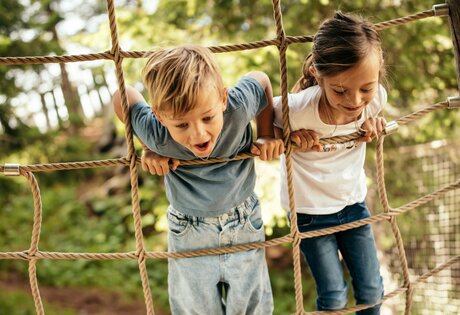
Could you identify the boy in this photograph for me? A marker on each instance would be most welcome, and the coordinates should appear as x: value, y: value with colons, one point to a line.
x: 193, y: 115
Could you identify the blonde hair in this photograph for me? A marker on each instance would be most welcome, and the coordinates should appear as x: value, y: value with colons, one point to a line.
x: 340, y: 43
x: 174, y: 77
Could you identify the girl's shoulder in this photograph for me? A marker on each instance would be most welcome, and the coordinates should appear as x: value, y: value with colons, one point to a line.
x: 379, y: 101
x: 382, y: 94
x: 304, y: 99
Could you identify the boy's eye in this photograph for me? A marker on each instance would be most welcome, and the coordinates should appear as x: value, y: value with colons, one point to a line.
x: 182, y: 126
x: 208, y: 118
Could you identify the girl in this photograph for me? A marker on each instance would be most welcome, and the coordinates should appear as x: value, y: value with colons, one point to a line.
x: 338, y: 94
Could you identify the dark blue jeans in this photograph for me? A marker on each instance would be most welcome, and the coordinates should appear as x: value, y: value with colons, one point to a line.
x: 358, y: 250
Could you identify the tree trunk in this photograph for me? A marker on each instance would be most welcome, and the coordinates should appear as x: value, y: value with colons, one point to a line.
x: 71, y: 97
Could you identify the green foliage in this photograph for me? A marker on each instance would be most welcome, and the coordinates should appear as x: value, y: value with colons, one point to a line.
x: 79, y: 215
x: 20, y: 303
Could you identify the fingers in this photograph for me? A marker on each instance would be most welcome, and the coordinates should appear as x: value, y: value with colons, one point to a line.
x: 268, y: 148
x: 156, y: 164
x: 368, y: 127
x: 373, y: 128
x: 174, y: 164
x: 381, y: 125
x: 305, y: 139
x: 255, y: 150
x: 162, y: 168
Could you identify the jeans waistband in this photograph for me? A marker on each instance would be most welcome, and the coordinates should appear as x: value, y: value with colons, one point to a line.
x: 235, y: 213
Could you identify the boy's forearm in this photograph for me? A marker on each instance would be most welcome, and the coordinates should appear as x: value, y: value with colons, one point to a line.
x: 265, y: 118
x: 278, y: 133
x: 264, y: 122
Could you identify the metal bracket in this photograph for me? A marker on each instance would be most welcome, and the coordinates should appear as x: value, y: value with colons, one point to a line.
x: 441, y: 9
x: 453, y: 101
x: 11, y: 169
x: 391, y: 127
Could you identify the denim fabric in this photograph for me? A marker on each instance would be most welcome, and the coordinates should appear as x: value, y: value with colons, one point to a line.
x: 232, y: 284
x: 358, y: 250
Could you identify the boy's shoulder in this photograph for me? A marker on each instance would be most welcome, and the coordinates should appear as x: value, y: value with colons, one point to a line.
x: 246, y: 92
x: 246, y: 84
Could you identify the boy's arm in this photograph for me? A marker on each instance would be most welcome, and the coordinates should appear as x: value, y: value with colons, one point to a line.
x: 134, y: 96
x: 150, y: 161
x: 266, y: 145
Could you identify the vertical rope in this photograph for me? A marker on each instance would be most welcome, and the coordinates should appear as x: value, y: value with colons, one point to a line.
x: 394, y: 226
x: 34, y: 242
x: 140, y: 249
x: 283, y: 45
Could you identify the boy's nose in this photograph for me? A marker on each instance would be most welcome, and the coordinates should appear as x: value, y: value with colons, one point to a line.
x: 199, y: 130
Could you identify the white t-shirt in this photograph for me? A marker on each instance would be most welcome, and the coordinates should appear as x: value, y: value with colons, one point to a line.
x: 325, y: 182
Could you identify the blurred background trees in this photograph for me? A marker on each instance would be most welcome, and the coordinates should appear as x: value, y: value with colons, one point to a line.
x: 61, y: 112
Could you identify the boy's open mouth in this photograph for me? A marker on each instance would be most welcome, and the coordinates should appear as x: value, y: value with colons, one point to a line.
x: 202, y: 146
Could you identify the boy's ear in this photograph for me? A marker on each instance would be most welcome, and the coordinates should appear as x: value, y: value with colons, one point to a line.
x: 224, y: 100
x: 158, y: 115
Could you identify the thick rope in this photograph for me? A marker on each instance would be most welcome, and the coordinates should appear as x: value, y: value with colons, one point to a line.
x: 218, y: 49
x: 34, y: 242
x: 394, y: 225
x: 124, y: 161
x: 282, y: 42
x: 140, y: 249
x: 294, y: 228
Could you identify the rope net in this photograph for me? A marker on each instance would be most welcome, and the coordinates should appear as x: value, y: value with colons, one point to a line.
x: 435, y: 190
x: 429, y: 166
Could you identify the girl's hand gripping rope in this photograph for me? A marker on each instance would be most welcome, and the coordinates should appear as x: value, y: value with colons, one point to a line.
x: 306, y: 140
x: 372, y: 128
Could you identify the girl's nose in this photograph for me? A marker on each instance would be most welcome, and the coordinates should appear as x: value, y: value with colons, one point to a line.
x: 355, y: 100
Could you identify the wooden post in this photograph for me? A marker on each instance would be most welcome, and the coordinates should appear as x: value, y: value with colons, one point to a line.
x: 454, y: 22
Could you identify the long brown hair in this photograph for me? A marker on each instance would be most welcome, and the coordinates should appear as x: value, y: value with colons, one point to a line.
x: 341, y: 43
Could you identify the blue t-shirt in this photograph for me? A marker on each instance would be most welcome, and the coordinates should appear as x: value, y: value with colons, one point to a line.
x: 208, y: 190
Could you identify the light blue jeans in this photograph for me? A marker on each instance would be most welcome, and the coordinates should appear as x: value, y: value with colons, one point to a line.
x: 232, y: 284
x: 358, y: 250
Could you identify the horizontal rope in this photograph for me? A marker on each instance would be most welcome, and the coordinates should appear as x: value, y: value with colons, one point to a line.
x: 124, y: 161
x: 230, y: 249
x: 107, y: 55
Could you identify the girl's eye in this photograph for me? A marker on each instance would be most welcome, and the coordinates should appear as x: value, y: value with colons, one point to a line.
x: 366, y: 90
x: 208, y: 118
x: 339, y: 92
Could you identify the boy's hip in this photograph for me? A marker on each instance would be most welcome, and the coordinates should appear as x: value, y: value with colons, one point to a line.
x: 240, y: 225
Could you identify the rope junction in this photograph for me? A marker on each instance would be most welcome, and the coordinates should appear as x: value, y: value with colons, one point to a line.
x: 33, y: 254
